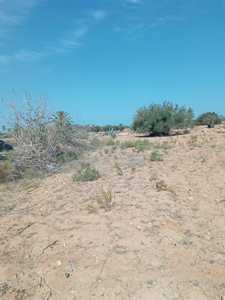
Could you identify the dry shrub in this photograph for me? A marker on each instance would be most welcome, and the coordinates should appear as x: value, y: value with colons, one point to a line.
x: 161, y: 186
x: 6, y: 170
x: 105, y: 200
x: 139, y: 145
x: 42, y: 141
x: 118, y: 169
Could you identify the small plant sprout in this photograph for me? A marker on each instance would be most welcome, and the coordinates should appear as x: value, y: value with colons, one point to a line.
x: 86, y: 174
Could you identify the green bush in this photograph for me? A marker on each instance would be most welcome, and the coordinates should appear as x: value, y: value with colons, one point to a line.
x: 86, y: 174
x: 209, y: 118
x: 159, y: 119
x: 156, y: 156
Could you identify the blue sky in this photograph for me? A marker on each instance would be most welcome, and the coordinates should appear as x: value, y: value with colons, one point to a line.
x: 100, y: 60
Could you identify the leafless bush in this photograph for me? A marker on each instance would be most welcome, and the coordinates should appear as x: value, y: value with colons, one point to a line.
x: 42, y: 141
x: 35, y: 139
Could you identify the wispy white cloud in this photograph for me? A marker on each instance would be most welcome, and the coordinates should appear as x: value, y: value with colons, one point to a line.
x: 74, y: 38
x: 69, y: 41
x: 134, y: 1
x: 98, y: 14
x: 13, y: 12
x: 139, y: 26
x: 160, y: 21
x: 22, y: 56
x: 135, y: 22
x: 25, y: 56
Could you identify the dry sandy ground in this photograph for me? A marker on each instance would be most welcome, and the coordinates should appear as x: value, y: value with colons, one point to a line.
x: 163, y: 238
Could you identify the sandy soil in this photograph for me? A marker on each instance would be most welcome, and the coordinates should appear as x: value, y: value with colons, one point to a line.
x: 162, y: 237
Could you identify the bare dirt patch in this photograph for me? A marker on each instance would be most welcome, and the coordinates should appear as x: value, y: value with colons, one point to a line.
x: 144, y: 230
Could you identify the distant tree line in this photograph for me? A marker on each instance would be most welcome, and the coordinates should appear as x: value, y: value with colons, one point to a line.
x: 107, y: 128
x: 43, y: 142
x: 155, y: 119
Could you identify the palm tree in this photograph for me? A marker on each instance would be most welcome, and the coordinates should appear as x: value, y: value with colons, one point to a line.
x: 64, y: 126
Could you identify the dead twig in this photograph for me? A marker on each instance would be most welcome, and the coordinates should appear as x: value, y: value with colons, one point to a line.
x: 44, y: 282
x: 98, y: 278
x: 49, y: 295
x: 49, y: 246
x: 25, y: 228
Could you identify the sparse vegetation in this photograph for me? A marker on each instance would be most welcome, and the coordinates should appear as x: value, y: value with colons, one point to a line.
x: 92, y: 208
x: 119, y: 170
x: 110, y: 142
x: 194, y: 142
x: 140, y: 199
x: 127, y: 144
x: 86, y: 173
x: 145, y: 145
x: 6, y: 170
x: 142, y: 145
x: 163, y: 146
x: 139, y: 145
x: 41, y: 141
x: 67, y: 157
x: 156, y: 156
x: 159, y: 119
x: 107, y: 128
x: 105, y: 200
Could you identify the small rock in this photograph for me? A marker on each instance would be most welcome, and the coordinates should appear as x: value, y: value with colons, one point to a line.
x: 67, y: 275
x: 58, y: 263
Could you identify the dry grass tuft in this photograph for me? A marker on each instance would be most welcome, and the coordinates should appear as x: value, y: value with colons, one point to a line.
x: 105, y: 200
x: 118, y: 169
